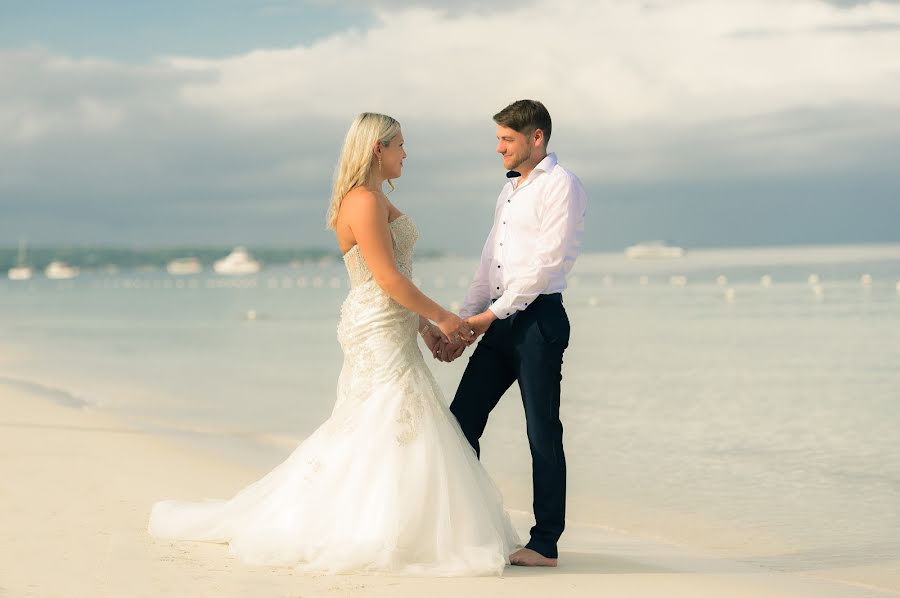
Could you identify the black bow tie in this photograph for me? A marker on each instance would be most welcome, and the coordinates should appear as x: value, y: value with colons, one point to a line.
x: 513, y: 174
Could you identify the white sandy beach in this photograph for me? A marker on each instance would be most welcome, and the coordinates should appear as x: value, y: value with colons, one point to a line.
x: 78, y: 485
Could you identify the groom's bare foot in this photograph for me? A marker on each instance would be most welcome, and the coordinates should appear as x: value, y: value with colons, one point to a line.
x: 525, y: 557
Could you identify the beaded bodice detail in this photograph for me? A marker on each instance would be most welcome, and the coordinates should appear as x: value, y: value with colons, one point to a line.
x: 379, y: 341
x: 404, y: 234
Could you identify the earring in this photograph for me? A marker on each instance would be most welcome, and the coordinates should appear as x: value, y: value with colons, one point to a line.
x: 379, y: 164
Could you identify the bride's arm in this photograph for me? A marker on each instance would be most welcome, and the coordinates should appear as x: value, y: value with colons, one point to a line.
x: 367, y: 217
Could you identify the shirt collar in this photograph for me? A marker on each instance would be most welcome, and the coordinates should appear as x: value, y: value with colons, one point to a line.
x: 545, y: 165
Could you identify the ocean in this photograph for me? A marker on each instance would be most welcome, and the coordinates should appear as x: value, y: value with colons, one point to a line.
x: 702, y: 403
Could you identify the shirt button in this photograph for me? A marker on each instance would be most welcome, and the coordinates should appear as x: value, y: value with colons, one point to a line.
x: 501, y: 244
x: 504, y: 222
x: 498, y: 288
x: 498, y: 265
x: 507, y: 313
x: 508, y: 201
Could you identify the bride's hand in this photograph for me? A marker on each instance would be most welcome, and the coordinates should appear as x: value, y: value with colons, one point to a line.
x: 433, y: 340
x: 455, y: 328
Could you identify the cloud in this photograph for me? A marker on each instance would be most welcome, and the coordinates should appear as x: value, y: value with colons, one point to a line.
x: 640, y: 91
x: 609, y: 70
x: 617, y: 63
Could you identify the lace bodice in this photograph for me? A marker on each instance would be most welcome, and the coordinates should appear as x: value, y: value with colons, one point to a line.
x: 404, y: 233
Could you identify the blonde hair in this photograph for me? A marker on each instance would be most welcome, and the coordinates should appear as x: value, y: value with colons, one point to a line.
x: 356, y: 156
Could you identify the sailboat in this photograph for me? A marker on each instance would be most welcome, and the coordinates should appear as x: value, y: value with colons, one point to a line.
x: 21, y: 271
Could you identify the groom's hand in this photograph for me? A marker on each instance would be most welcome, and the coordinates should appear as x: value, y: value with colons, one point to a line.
x: 481, y: 322
x: 450, y: 351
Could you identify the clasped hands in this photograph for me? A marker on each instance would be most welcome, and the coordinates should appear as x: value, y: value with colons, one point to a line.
x: 451, y: 336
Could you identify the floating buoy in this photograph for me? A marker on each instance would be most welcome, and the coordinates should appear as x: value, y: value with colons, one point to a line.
x: 866, y: 280
x: 721, y: 280
x: 765, y: 281
x: 813, y: 279
x: 678, y: 281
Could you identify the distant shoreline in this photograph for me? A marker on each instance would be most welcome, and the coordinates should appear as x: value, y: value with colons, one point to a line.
x: 104, y: 258
x: 100, y: 258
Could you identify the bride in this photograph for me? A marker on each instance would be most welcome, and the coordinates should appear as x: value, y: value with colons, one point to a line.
x: 389, y: 482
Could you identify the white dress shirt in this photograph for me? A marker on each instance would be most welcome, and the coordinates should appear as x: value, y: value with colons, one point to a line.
x: 538, y: 225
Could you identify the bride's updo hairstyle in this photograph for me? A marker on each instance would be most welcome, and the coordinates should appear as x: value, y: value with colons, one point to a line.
x: 356, y: 156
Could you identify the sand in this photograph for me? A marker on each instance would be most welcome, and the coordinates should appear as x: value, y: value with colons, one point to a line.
x: 77, y: 486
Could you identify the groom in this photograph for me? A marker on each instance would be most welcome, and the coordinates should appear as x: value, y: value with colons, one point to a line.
x: 515, y: 300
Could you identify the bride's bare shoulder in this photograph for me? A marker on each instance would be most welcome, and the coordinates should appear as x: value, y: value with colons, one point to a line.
x: 364, y: 203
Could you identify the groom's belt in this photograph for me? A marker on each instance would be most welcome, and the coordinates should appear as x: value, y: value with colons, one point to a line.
x: 548, y: 297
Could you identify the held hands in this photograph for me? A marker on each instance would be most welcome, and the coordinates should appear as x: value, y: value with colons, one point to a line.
x: 433, y: 338
x: 481, y: 322
x: 440, y: 346
x: 445, y: 349
x: 455, y: 329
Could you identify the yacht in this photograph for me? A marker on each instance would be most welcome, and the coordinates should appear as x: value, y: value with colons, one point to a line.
x: 239, y: 261
x: 57, y: 270
x: 654, y: 250
x: 21, y: 271
x: 184, y: 265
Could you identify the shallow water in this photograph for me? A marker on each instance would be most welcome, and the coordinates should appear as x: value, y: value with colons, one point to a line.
x: 760, y: 421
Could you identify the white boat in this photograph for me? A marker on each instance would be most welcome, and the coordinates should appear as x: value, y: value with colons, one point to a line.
x: 654, y: 250
x: 239, y: 261
x: 57, y: 270
x: 184, y: 265
x: 20, y: 271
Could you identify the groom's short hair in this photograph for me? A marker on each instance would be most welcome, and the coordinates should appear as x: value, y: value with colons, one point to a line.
x: 526, y: 116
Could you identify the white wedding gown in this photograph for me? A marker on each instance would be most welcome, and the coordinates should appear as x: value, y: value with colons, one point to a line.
x: 388, y: 483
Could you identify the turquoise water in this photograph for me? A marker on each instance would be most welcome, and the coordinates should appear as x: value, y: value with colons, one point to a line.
x: 757, y: 421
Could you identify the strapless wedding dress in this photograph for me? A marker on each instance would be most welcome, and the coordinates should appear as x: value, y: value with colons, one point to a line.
x: 388, y: 483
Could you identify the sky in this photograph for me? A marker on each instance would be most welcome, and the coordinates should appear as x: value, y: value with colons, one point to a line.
x: 706, y: 123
